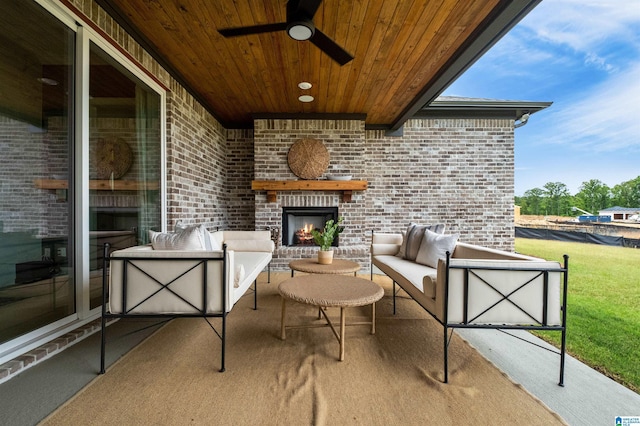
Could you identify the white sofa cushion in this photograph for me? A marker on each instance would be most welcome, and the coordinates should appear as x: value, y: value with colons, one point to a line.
x: 253, y: 263
x: 420, y: 276
x: 250, y: 245
x: 252, y: 241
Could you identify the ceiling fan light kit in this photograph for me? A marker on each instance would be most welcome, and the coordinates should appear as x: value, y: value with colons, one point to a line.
x: 301, y: 30
x: 299, y: 26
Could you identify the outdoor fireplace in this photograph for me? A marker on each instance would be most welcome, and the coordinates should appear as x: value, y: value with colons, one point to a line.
x: 297, y: 223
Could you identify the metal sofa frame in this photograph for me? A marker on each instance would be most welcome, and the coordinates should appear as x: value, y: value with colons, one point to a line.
x: 199, y: 312
x: 468, y: 322
x: 536, y: 325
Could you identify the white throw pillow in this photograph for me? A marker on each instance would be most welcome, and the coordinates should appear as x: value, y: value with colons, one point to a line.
x: 435, y: 246
x: 189, y: 239
x: 205, y: 238
x: 412, y: 238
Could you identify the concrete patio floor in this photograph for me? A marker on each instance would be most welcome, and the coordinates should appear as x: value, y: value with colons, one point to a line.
x: 587, y: 398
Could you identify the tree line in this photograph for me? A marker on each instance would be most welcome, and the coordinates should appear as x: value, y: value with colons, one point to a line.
x: 554, y: 198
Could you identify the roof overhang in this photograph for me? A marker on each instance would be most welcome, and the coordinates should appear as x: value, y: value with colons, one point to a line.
x: 451, y: 106
x: 406, y: 54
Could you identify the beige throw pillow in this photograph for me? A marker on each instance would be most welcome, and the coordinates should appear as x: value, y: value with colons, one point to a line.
x: 435, y: 246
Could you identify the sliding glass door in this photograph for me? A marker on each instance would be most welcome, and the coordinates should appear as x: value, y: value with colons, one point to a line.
x: 36, y: 139
x: 80, y: 165
x: 124, y: 161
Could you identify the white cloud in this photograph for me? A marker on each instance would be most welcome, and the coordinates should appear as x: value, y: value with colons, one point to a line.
x: 586, y: 26
x: 518, y: 46
x: 592, y: 59
x: 605, y: 118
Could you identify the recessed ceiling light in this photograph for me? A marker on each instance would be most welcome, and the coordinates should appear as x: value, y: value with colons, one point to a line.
x: 306, y: 98
x: 305, y: 85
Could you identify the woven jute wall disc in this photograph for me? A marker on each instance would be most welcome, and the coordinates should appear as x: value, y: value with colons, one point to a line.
x: 308, y: 158
x: 110, y: 158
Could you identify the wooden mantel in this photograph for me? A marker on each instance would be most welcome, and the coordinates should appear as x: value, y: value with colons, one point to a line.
x: 273, y: 186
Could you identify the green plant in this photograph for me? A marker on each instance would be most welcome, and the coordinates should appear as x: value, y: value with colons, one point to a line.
x: 331, y: 230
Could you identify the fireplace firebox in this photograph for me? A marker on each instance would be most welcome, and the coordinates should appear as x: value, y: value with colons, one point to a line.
x: 297, y: 223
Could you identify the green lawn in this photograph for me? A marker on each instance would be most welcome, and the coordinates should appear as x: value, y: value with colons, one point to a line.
x: 603, y: 307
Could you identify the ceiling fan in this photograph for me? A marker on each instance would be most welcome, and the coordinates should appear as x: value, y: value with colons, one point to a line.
x: 299, y: 26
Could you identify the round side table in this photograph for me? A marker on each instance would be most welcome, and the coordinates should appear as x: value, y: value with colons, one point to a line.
x: 337, y: 267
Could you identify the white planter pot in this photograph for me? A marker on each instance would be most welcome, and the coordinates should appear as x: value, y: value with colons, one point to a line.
x: 325, y: 257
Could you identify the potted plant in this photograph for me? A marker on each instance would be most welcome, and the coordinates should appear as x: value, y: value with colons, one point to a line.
x: 325, y: 239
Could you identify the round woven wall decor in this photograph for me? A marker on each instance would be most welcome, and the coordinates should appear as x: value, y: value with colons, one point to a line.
x: 308, y: 158
x: 110, y: 158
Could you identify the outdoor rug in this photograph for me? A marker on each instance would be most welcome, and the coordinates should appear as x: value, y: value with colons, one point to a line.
x: 391, y: 378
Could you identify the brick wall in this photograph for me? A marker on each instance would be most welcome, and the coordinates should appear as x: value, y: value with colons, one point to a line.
x: 196, y: 163
x: 454, y: 171
x: 240, y: 163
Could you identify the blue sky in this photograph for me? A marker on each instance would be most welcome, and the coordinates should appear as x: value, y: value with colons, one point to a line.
x: 584, y: 56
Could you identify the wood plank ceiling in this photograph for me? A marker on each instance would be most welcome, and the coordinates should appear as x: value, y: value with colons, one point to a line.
x: 405, y: 53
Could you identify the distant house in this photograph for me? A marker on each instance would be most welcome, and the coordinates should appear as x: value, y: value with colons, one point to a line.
x: 620, y: 213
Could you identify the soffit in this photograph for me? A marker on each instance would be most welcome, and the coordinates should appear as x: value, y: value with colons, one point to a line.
x: 405, y: 53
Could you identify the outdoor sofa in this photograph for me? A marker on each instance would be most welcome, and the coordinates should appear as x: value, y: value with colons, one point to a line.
x: 470, y: 286
x: 190, y: 273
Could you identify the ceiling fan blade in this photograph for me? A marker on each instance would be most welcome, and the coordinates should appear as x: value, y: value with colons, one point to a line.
x: 255, y: 29
x: 298, y: 9
x: 330, y: 47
